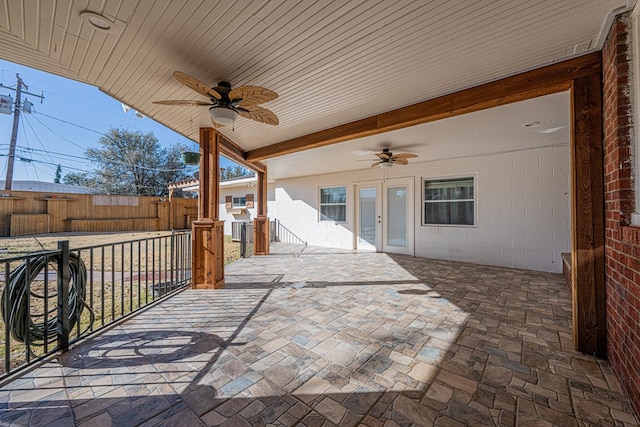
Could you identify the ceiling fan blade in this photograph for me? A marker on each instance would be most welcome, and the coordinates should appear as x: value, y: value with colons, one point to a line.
x: 252, y: 95
x: 385, y: 155
x: 404, y: 156
x: 375, y: 164
x: 259, y: 114
x: 401, y: 161
x: 196, y: 85
x: 183, y: 102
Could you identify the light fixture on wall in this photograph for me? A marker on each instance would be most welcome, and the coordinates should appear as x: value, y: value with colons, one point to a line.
x: 223, y: 115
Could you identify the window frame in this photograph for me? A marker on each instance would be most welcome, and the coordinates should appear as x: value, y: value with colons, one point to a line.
x: 233, y: 202
x: 345, y: 204
x: 474, y: 177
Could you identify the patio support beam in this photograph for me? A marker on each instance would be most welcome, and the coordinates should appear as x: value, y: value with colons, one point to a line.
x: 587, y: 202
x: 261, y: 222
x: 581, y: 75
x: 208, y: 231
x: 234, y: 152
x: 541, y: 81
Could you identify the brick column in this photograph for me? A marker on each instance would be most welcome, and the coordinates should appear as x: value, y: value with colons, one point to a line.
x: 622, y: 242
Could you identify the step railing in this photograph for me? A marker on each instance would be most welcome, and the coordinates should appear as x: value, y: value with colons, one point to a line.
x: 284, y: 235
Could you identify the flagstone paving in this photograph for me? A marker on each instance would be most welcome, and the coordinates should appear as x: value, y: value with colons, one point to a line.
x: 327, y: 337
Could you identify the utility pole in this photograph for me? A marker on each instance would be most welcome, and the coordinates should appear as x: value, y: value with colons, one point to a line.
x: 14, y: 132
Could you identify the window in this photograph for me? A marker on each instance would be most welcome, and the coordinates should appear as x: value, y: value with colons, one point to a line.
x: 239, y: 202
x: 449, y: 201
x: 333, y: 204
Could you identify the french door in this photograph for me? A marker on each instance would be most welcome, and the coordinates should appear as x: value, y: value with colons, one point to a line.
x: 384, y: 216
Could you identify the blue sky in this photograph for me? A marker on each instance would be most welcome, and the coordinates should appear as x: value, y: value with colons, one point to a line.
x: 71, y: 119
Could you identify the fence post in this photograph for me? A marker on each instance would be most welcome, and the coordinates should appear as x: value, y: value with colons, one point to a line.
x: 63, y: 295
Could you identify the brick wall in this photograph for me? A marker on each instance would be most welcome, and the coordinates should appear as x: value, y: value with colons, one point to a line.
x: 622, y: 242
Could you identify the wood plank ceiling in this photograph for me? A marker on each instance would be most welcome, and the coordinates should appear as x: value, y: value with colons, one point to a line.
x: 331, y: 62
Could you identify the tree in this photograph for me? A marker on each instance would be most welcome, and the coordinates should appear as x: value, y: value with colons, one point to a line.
x: 58, y: 174
x: 83, y: 179
x: 133, y: 163
x: 234, y: 171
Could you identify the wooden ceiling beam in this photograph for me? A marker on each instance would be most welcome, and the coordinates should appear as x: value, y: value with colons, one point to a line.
x: 541, y: 81
x: 235, y: 153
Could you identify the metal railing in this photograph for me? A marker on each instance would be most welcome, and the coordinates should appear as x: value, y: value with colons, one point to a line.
x: 284, y: 235
x: 242, y: 231
x: 51, y: 299
x: 246, y: 239
x: 236, y: 231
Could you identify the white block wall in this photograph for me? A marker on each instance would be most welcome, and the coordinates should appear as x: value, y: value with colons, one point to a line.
x: 522, y: 203
x: 523, y: 211
x: 295, y: 204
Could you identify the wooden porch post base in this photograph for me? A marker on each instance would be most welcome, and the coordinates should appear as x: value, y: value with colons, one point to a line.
x: 208, y: 254
x: 261, y: 235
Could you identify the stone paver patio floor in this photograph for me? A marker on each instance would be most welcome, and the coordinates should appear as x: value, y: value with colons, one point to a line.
x: 329, y: 337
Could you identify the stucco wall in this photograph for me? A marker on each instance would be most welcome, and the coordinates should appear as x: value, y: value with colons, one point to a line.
x: 228, y: 216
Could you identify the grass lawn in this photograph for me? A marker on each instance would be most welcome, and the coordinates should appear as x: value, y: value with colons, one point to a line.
x: 122, y: 290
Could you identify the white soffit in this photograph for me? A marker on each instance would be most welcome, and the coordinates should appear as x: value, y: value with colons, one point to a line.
x: 331, y: 62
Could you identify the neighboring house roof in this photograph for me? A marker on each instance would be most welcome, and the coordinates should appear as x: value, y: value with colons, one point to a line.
x: 194, y: 184
x: 40, y: 186
x: 186, y: 185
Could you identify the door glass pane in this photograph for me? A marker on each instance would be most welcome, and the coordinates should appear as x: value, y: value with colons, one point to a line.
x: 368, y: 215
x: 397, y: 216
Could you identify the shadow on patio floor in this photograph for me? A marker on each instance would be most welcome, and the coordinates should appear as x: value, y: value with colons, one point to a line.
x: 308, y: 340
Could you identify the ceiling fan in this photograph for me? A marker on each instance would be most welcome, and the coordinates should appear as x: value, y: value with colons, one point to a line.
x: 225, y: 103
x: 388, y: 159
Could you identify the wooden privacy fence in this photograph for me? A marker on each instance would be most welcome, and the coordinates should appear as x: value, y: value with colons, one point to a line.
x: 27, y: 212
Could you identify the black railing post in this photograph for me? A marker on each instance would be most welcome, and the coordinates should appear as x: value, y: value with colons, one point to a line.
x: 172, y: 262
x: 243, y: 239
x: 63, y: 295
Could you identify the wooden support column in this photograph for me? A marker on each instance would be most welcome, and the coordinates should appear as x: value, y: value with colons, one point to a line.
x: 261, y: 222
x: 208, y: 232
x: 587, y: 200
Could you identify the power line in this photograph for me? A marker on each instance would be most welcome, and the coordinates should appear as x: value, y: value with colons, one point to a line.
x: 37, y: 137
x: 55, y: 154
x: 59, y: 136
x: 53, y: 164
x: 72, y: 124
x: 20, y: 87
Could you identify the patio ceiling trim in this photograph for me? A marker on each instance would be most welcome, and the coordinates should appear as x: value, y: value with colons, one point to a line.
x: 531, y: 84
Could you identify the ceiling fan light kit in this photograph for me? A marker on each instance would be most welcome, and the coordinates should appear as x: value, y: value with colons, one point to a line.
x: 222, y: 115
x: 225, y: 104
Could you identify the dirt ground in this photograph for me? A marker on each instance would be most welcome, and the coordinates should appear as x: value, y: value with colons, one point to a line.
x: 12, y: 246
x: 16, y: 246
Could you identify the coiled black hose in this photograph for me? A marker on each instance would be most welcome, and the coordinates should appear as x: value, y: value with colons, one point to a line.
x: 15, y: 309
